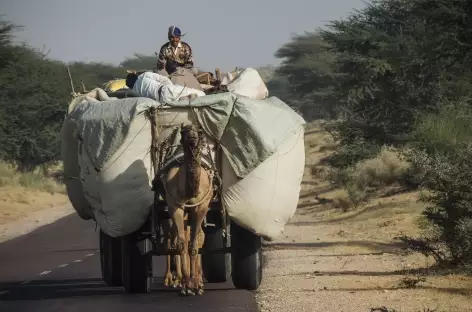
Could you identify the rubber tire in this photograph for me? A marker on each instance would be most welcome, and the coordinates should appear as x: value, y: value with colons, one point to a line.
x: 136, y: 267
x: 216, y: 267
x: 246, y: 258
x: 110, y: 260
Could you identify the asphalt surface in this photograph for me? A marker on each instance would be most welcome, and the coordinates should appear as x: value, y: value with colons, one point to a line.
x: 57, y: 268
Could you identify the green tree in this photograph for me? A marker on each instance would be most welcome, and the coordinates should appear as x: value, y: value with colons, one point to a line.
x: 402, y: 71
x: 308, y: 73
x: 93, y: 74
x: 6, y: 34
x: 398, y: 59
x: 32, y: 106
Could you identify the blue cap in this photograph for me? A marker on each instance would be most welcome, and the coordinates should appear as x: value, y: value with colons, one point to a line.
x: 174, y: 31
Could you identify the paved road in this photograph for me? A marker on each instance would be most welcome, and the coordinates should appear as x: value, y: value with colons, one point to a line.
x: 57, y: 268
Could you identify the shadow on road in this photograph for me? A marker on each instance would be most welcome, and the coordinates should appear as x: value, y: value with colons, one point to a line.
x: 55, y: 289
x: 76, y: 250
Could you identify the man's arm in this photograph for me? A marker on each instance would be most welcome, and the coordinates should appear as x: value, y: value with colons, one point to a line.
x: 188, y: 63
x: 161, y: 59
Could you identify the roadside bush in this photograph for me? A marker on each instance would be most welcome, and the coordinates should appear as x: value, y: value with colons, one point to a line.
x: 442, y: 159
x: 387, y: 168
x: 350, y: 154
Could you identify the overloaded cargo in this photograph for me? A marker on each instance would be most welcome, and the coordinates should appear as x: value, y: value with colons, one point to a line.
x: 106, y: 153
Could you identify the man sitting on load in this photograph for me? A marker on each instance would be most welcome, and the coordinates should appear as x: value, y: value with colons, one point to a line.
x: 175, y: 53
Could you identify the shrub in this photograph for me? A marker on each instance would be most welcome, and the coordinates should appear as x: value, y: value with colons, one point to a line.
x: 442, y: 157
x: 42, y: 178
x: 387, y: 168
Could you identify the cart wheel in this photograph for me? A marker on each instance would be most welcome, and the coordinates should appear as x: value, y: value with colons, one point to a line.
x: 246, y: 258
x: 216, y: 267
x: 110, y: 259
x: 137, y: 267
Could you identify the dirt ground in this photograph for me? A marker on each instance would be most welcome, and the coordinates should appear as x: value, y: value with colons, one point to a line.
x: 329, y: 260
x: 22, y: 210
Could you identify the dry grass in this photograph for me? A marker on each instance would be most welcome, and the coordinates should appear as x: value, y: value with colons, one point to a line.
x: 43, y: 178
x: 20, y: 203
x: 358, y: 183
x: 364, y: 180
x: 385, y: 169
x: 29, y: 199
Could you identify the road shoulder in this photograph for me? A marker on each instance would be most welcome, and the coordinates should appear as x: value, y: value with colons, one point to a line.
x: 23, y: 210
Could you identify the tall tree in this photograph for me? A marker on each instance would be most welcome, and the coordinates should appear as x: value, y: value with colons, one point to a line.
x: 32, y: 104
x: 308, y: 69
x: 396, y: 58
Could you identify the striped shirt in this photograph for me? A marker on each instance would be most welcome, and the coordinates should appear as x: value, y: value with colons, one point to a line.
x: 170, y: 58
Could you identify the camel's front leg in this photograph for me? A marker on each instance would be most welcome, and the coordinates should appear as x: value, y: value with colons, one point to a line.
x: 201, y: 240
x: 176, y: 259
x: 166, y: 228
x: 168, y: 278
x: 196, y: 242
x: 182, y: 246
x: 187, y: 237
x: 178, y: 271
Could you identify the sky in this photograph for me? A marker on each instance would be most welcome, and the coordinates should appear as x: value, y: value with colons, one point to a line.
x: 223, y: 34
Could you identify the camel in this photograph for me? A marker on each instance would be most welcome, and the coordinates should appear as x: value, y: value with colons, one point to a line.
x: 188, y: 191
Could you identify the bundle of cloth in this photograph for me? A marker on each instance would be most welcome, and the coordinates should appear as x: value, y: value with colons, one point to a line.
x: 183, y: 85
x: 159, y: 87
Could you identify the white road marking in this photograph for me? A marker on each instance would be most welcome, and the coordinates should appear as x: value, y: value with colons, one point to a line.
x: 25, y: 282
x: 45, y: 273
x: 89, y: 255
x: 77, y: 260
x: 63, y: 265
x: 4, y: 292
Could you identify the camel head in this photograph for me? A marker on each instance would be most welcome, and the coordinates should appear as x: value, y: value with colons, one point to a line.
x: 191, y: 136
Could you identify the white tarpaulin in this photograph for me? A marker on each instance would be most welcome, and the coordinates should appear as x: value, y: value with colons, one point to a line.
x: 262, y: 164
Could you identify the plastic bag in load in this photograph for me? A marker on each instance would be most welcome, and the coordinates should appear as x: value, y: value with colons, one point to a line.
x: 121, y: 191
x: 229, y: 76
x: 249, y: 83
x: 265, y: 199
x: 70, y: 159
x: 185, y: 77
